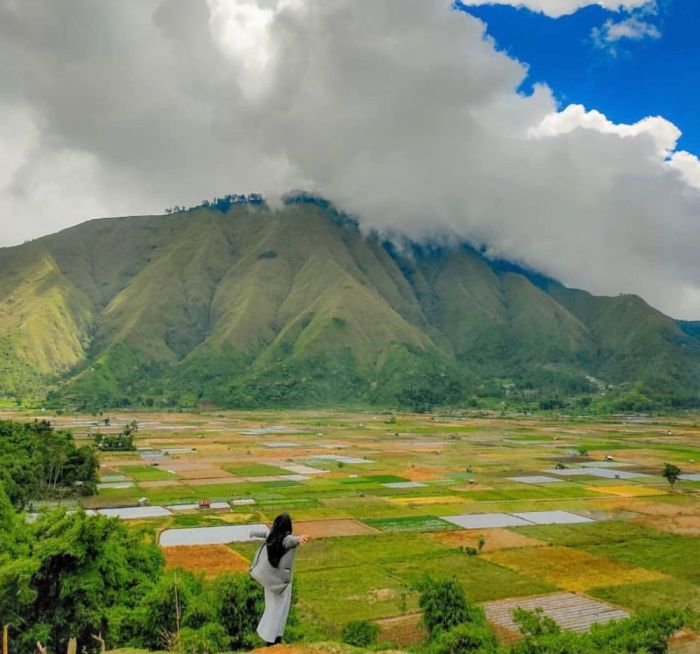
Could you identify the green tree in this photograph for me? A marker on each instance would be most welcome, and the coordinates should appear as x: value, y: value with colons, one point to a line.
x: 671, y: 473
x: 445, y: 605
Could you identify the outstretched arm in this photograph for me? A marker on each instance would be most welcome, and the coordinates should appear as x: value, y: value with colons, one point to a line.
x: 259, y: 533
x: 294, y: 541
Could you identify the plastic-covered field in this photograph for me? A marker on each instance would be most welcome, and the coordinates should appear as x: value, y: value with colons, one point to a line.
x: 341, y: 459
x: 208, y: 535
x: 535, y: 479
x: 486, y: 520
x: 135, y: 512
x: 115, y: 484
x: 569, y: 611
x: 605, y: 473
x: 523, y: 519
x: 552, y: 517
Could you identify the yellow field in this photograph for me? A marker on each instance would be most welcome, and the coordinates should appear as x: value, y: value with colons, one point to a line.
x: 629, y: 491
x: 571, y: 569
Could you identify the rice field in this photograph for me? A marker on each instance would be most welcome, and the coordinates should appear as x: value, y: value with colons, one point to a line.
x: 388, y: 498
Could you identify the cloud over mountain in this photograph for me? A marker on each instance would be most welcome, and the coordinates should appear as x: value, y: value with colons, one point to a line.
x: 401, y: 112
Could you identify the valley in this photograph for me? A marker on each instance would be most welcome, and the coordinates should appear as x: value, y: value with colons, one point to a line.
x: 517, y: 509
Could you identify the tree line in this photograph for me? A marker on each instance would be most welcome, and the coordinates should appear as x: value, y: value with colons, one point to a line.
x: 39, y: 462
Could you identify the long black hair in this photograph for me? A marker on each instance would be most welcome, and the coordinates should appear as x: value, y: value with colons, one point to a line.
x: 281, y: 528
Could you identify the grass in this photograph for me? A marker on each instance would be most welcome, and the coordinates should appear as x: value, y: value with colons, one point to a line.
x: 147, y: 473
x: 531, y: 492
x: 256, y: 470
x: 385, y: 479
x: 671, y: 592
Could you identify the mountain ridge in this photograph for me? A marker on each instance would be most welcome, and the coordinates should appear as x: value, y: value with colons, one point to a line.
x: 250, y: 306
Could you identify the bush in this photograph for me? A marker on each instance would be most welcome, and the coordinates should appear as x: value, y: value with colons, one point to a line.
x: 207, y: 639
x: 360, y: 633
x: 467, y: 638
x: 647, y: 632
x: 239, y: 603
x: 445, y: 605
x: 643, y: 634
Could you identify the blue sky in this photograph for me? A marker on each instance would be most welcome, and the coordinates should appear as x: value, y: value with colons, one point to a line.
x: 626, y: 79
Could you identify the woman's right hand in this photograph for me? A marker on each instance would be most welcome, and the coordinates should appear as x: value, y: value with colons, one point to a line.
x: 303, y: 538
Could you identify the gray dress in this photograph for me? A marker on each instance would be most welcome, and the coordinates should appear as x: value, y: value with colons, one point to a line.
x: 277, y: 583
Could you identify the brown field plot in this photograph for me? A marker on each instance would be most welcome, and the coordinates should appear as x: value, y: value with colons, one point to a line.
x: 159, y: 483
x: 403, y: 629
x: 212, y: 481
x: 496, y: 539
x: 212, y: 560
x: 685, y: 525
x: 332, y: 528
x: 205, y: 473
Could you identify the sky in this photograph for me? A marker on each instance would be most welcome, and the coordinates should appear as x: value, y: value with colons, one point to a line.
x: 559, y: 134
x: 650, y: 66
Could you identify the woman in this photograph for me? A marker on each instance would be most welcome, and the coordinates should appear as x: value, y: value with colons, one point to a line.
x: 272, y: 567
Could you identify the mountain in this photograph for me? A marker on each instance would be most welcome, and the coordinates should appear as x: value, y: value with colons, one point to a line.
x: 246, y: 306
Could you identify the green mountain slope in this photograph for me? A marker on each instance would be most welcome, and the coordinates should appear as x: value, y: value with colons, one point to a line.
x: 250, y: 306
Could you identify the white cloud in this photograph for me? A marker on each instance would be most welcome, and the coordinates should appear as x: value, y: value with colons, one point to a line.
x: 631, y: 28
x: 636, y: 26
x: 558, y: 8
x: 662, y: 132
x: 408, y: 118
x: 688, y: 165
